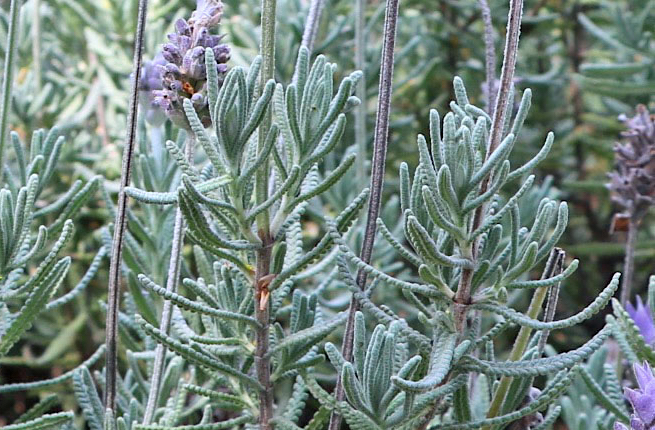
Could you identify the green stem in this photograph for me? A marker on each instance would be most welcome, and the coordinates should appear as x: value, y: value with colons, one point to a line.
x: 267, y: 51
x: 12, y: 35
x: 522, y: 340
x: 263, y: 255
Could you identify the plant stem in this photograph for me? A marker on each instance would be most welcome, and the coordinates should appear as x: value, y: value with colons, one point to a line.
x: 554, y: 262
x: 377, y: 181
x: 36, y: 43
x: 263, y: 255
x: 490, y: 55
x: 114, y: 286
x: 267, y: 51
x: 311, y: 24
x: 262, y: 309
x: 549, y: 313
x: 463, y: 297
x: 309, y: 33
x: 172, y: 279
x: 360, y: 111
x: 629, y: 261
x: 12, y: 35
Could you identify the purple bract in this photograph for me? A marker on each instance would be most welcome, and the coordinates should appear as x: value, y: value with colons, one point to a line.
x: 642, y: 400
x: 643, y: 319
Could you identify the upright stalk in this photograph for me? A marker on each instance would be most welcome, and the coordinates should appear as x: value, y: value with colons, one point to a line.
x: 490, y: 56
x: 172, y: 278
x: 360, y: 111
x: 312, y: 21
x: 311, y: 24
x: 114, y: 286
x: 263, y: 255
x: 377, y: 181
x: 463, y: 296
x: 555, y: 261
x: 36, y: 43
x: 12, y: 34
x: 549, y: 312
x: 629, y: 261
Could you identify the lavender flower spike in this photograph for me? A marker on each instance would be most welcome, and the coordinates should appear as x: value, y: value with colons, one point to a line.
x: 184, y: 76
x: 642, y: 400
x: 633, y: 183
x: 150, y: 81
x: 644, y: 320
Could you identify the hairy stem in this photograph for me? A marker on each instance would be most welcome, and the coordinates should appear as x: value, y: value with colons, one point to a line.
x: 311, y: 24
x: 377, y: 181
x: 490, y: 55
x: 553, y: 266
x: 360, y: 111
x: 629, y: 261
x: 172, y: 278
x: 114, y: 286
x: 262, y: 314
x: 463, y: 297
x: 312, y: 21
x: 36, y: 43
x: 12, y: 34
x: 263, y: 255
x: 549, y: 313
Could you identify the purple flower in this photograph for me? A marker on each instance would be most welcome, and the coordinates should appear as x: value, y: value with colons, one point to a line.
x: 643, y: 319
x: 633, y: 182
x: 184, y: 72
x: 150, y: 81
x: 642, y: 400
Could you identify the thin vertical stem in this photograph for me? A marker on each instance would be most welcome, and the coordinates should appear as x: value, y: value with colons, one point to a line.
x: 490, y: 55
x: 507, y: 73
x: 311, y: 24
x: 629, y: 261
x: 263, y: 255
x: 12, y: 35
x: 262, y: 314
x: 549, y: 313
x: 36, y: 43
x: 360, y: 111
x: 311, y: 29
x: 113, y: 289
x: 554, y: 262
x: 463, y: 296
x: 377, y: 180
x: 267, y: 51
x: 172, y: 278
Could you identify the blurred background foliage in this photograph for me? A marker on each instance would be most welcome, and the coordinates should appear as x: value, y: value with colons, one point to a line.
x: 587, y: 61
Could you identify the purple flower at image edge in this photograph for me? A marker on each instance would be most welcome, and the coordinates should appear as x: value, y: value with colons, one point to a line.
x: 643, y: 319
x: 642, y: 400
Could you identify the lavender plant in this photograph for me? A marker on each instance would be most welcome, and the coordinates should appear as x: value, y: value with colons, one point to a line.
x: 229, y: 307
x: 32, y: 268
